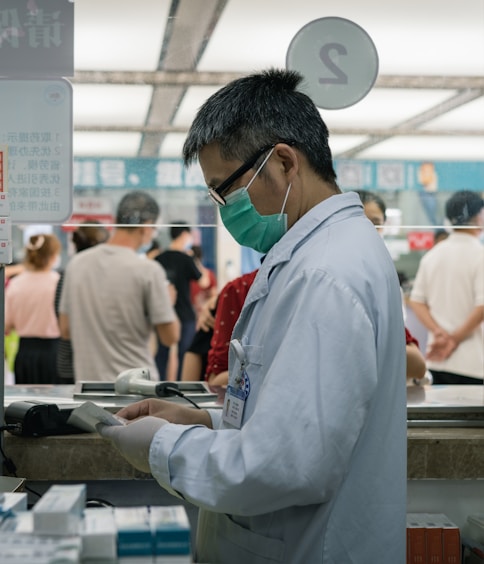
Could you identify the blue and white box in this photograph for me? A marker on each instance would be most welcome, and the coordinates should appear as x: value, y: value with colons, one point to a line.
x: 134, y: 534
x: 171, y: 530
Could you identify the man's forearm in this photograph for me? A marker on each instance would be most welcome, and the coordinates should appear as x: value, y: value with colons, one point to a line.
x: 470, y: 324
x: 422, y: 312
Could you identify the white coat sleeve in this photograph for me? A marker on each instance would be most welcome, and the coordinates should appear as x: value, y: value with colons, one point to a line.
x: 318, y: 377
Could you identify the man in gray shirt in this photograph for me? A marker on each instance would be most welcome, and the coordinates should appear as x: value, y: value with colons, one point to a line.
x: 112, y: 299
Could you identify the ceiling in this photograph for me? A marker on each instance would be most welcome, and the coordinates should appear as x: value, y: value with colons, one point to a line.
x: 142, y: 69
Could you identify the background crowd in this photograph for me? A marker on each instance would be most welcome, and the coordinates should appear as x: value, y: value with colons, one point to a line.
x: 170, y: 295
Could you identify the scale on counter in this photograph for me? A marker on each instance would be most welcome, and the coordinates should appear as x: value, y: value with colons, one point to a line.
x: 197, y: 391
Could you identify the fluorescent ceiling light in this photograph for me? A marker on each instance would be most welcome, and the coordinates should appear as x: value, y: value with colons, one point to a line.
x: 106, y: 144
x: 110, y: 104
x: 118, y: 35
x: 428, y: 148
x: 172, y: 146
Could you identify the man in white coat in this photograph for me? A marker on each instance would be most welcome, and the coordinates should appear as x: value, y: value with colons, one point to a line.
x: 306, y: 463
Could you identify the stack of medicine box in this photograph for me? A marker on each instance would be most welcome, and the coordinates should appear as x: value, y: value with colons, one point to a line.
x: 155, y: 534
x: 60, y: 528
x: 49, y: 533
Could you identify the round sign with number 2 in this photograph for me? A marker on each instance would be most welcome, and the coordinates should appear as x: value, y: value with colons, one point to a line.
x: 338, y: 60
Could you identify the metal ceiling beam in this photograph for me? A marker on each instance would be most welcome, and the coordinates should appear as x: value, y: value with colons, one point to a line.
x: 170, y: 86
x: 415, y: 122
x: 194, y: 78
x: 405, y: 131
x: 178, y: 55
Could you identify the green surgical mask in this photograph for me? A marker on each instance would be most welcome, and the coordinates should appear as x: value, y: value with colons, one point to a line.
x: 246, y: 225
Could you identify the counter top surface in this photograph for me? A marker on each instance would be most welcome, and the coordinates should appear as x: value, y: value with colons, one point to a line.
x: 434, y: 452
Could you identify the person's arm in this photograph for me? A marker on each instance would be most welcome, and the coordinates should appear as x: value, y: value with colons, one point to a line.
x: 206, y: 318
x: 13, y: 269
x: 204, y: 280
x: 161, y: 295
x: 191, y: 367
x: 64, y: 327
x: 475, y: 318
x: 416, y: 366
x: 444, y: 346
x: 169, y: 333
x: 172, y: 412
x: 144, y: 419
x: 220, y: 379
x: 422, y: 313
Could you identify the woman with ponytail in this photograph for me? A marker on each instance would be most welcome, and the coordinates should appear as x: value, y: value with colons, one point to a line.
x: 29, y: 309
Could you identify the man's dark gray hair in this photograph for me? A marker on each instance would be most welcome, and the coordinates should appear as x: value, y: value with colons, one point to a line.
x: 136, y: 208
x: 257, y: 110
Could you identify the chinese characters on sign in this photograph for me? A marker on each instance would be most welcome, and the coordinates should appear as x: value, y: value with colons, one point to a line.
x: 136, y: 173
x: 404, y: 175
x: 171, y: 174
x: 36, y: 187
x: 39, y: 140
x: 36, y: 38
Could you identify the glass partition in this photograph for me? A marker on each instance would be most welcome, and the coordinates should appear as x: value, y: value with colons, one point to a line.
x: 143, y: 69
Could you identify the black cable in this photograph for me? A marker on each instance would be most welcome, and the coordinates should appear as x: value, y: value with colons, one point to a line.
x: 8, y: 462
x: 33, y: 491
x: 98, y: 502
x: 173, y: 391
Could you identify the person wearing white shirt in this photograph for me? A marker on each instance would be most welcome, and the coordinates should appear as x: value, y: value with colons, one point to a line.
x: 448, y: 295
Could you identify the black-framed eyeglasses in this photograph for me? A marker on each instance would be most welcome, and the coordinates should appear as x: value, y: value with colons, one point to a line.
x: 216, y: 194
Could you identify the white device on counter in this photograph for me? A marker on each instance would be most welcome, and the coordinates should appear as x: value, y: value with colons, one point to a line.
x: 136, y: 381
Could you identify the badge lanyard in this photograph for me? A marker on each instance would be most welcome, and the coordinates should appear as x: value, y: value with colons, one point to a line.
x: 237, y: 390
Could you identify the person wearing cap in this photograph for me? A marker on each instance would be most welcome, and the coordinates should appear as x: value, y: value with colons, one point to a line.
x: 448, y: 295
x: 306, y: 462
x: 112, y: 300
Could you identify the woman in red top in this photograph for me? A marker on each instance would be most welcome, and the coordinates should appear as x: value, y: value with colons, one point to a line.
x: 229, y: 305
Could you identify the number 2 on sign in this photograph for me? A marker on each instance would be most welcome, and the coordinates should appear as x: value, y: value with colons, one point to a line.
x: 325, y: 54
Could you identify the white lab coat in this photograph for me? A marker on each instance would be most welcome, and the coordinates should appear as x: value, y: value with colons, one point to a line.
x: 317, y: 473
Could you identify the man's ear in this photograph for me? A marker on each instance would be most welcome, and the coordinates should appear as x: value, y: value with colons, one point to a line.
x: 288, y: 159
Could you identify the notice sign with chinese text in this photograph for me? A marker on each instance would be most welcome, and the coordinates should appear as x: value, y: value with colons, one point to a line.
x: 36, y: 128
x: 36, y: 38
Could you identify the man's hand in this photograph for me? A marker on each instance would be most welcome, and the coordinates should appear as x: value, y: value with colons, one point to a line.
x: 442, y: 347
x: 133, y: 440
x: 167, y: 410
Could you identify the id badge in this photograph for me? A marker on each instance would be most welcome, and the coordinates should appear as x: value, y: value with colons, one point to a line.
x: 237, y: 390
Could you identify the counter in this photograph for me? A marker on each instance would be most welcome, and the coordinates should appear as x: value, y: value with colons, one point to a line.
x: 450, y: 453
x: 442, y: 442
